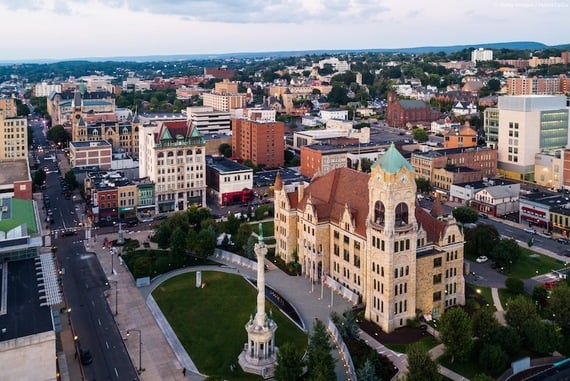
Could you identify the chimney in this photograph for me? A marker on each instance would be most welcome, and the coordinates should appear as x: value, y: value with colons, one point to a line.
x: 300, y: 191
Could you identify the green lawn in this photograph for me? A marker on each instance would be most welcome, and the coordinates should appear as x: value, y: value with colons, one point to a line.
x: 210, y: 321
x: 532, y: 263
x: 427, y: 342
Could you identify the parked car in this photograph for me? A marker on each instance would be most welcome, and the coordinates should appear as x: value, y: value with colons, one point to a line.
x: 530, y: 230
x: 562, y: 240
x: 483, y: 215
x: 481, y: 259
x: 545, y: 234
x: 85, y: 355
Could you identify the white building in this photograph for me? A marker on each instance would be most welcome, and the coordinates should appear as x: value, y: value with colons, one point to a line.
x: 529, y: 124
x: 340, y: 66
x: 208, y: 121
x: 482, y: 55
x: 44, y: 89
x: 228, y: 181
x: 255, y: 113
x: 173, y: 156
x: 338, y: 114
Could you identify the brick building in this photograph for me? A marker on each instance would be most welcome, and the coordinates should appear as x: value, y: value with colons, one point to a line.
x: 261, y: 142
x: 402, y: 112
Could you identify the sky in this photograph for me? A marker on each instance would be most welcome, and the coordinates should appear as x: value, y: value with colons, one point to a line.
x: 66, y: 29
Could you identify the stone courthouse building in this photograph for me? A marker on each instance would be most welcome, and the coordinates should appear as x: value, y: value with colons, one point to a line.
x: 364, y: 234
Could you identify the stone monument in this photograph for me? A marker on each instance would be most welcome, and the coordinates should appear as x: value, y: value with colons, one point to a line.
x: 260, y: 353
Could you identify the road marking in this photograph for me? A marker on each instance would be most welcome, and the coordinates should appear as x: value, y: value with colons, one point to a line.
x: 107, y: 344
x: 99, y: 320
x: 117, y: 373
x: 93, y: 303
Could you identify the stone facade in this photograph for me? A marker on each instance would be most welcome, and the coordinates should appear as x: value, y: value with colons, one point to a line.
x: 365, y: 232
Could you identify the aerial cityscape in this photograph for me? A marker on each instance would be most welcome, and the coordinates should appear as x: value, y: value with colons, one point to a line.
x: 334, y: 200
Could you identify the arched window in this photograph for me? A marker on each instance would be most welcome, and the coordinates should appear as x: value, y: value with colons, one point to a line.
x: 401, y: 214
x: 160, y: 154
x: 379, y: 212
x: 189, y: 152
x: 198, y: 151
x: 179, y: 153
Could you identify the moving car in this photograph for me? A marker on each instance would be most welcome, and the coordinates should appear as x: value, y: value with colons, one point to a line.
x: 483, y: 215
x: 481, y: 259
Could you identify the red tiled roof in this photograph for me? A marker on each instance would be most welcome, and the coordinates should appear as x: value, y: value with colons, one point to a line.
x: 335, y: 190
x: 433, y: 227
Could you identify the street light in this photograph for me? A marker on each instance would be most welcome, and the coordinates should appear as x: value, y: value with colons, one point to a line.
x: 140, y: 347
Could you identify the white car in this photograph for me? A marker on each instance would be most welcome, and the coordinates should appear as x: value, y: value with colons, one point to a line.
x: 530, y: 230
x: 482, y: 259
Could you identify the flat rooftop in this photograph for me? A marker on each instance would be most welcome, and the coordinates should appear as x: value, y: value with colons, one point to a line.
x: 24, y: 314
x: 222, y: 164
x: 14, y: 170
x: 91, y: 143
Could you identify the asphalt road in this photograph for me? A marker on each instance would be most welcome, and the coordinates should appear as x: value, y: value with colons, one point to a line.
x: 85, y: 284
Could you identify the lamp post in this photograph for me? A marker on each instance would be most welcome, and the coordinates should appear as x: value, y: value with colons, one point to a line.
x: 140, y: 347
x: 112, y: 252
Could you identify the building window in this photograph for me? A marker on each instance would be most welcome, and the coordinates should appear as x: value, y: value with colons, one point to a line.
x: 379, y: 212
x: 401, y: 214
x: 437, y: 296
x: 437, y: 279
x: 437, y: 262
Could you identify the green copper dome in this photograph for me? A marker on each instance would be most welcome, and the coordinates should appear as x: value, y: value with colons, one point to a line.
x: 392, y: 161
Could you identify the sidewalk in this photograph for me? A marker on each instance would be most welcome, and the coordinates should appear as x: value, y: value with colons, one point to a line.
x: 137, y: 310
x: 156, y: 358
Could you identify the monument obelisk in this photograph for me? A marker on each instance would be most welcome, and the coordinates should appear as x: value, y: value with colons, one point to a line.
x: 260, y: 353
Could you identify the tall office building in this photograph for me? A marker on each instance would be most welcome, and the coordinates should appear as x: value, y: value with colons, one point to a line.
x: 261, y: 142
x: 529, y: 124
x: 481, y: 55
x: 13, y: 137
x: 173, y: 156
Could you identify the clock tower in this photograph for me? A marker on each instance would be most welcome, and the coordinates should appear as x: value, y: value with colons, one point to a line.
x: 392, y: 233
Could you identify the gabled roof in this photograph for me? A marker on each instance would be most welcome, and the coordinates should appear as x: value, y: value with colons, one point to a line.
x: 433, y: 226
x: 332, y: 193
x: 392, y: 161
x: 412, y: 104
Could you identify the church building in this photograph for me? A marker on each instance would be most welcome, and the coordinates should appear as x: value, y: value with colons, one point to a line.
x: 364, y: 234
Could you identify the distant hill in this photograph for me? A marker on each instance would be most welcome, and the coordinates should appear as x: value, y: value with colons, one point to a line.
x: 514, y: 45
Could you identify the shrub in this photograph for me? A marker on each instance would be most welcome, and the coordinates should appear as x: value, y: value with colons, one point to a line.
x: 515, y: 285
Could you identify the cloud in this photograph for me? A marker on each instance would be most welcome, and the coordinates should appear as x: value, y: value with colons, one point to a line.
x: 260, y: 11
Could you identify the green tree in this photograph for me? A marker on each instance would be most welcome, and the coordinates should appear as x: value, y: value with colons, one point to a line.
x: 346, y: 324
x: 508, y: 338
x: 289, y: 365
x: 205, y: 243
x: 485, y: 324
x: 481, y: 240
x: 57, y: 134
x: 367, y: 372
x: 560, y: 306
x: 540, y: 294
x: 22, y: 109
x: 506, y: 252
x: 163, y: 234
x: 542, y: 337
x: 366, y: 165
x: 423, y: 185
x: 225, y: 150
x: 520, y: 310
x: 464, y: 214
x: 514, y: 285
x: 455, y: 333
x: 420, y: 365
x: 39, y: 177
x: 493, y: 358
x: 320, y: 363
x: 70, y: 179
x: 338, y: 96
x: 178, y: 243
x: 420, y: 135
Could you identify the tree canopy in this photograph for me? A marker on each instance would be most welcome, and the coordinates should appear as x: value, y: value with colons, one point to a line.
x: 465, y: 214
x: 455, y: 332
